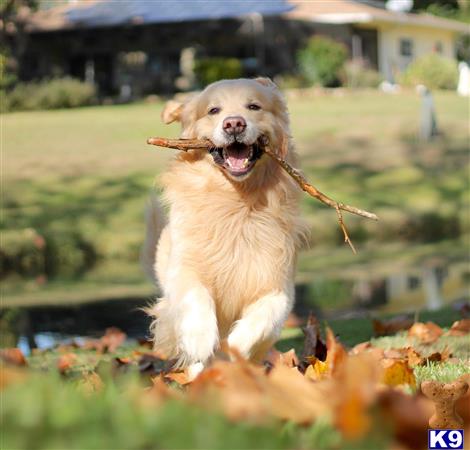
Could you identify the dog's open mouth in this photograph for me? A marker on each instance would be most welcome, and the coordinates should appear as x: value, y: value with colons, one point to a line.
x: 237, y: 158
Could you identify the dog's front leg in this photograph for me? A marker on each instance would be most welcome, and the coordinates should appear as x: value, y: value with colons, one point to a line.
x: 261, y: 324
x: 188, y: 314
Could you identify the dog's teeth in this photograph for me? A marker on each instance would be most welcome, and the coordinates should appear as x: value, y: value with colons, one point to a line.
x: 245, y: 162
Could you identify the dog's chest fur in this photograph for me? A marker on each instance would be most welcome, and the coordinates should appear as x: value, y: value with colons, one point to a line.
x: 241, y: 243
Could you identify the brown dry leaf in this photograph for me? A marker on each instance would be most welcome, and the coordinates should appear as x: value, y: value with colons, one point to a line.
x: 289, y: 358
x: 275, y: 357
x: 157, y: 394
x: 427, y: 332
x: 316, y: 370
x: 353, y: 392
x: 243, y: 391
x: 13, y: 356
x: 109, y: 342
x: 313, y: 344
x: 179, y: 377
x: 66, y: 362
x: 336, y: 354
x: 444, y: 355
x: 151, y: 363
x: 459, y: 328
x: 408, y: 416
x: 367, y: 347
x: 291, y: 396
x: 112, y: 339
x: 397, y: 372
x: 235, y: 388
x: 391, y: 326
x: 414, y: 358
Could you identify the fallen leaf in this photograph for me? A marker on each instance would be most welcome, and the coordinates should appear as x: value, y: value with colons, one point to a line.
x: 336, y: 354
x: 414, y: 358
x: 112, y: 339
x: 406, y: 415
x: 145, y: 343
x: 244, y: 391
x: 367, y: 347
x: 179, y: 377
x: 316, y: 370
x: 427, y: 332
x: 123, y: 361
x: 397, y: 372
x: 108, y: 343
x: 313, y: 344
x: 66, y: 362
x: 152, y: 364
x: 459, y: 328
x: 13, y: 356
x: 391, y: 326
x: 353, y: 393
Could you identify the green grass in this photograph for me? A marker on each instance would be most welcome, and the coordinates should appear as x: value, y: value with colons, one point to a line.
x: 81, y: 178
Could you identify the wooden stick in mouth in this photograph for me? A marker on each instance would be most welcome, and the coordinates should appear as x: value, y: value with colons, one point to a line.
x: 205, y: 144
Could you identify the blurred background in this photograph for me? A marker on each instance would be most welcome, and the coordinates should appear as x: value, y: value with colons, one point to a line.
x: 378, y: 96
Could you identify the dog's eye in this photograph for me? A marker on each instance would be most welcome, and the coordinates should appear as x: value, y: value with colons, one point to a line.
x: 254, y: 107
x: 213, y: 111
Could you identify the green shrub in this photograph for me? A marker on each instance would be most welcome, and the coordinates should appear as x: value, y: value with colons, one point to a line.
x: 355, y: 75
x: 321, y: 61
x: 22, y: 251
x: 26, y: 252
x: 434, y: 71
x: 208, y: 70
x: 51, y: 94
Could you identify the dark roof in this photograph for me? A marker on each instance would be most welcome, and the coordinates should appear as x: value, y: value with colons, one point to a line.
x: 109, y: 13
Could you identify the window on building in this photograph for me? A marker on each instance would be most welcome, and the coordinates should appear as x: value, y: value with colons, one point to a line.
x: 406, y: 47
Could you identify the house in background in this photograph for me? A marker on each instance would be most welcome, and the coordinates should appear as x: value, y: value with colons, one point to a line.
x: 143, y: 47
x: 132, y: 48
x: 385, y: 40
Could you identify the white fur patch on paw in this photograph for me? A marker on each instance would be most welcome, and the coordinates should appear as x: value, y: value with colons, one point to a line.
x: 194, y: 370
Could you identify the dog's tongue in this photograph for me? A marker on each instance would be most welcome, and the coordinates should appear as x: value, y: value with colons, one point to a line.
x: 236, y: 156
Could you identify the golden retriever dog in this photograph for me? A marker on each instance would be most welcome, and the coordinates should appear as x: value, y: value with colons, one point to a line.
x: 225, y: 258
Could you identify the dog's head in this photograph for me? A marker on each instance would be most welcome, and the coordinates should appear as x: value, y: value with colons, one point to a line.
x: 237, y: 116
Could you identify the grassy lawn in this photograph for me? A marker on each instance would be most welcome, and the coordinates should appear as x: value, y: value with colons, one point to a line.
x: 80, y: 178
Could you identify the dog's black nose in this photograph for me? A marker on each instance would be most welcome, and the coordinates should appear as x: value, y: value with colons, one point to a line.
x: 234, y: 125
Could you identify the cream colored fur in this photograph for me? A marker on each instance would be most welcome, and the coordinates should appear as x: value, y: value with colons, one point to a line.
x: 225, y: 261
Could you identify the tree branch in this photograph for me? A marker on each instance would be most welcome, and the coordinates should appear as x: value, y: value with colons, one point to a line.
x: 190, y: 144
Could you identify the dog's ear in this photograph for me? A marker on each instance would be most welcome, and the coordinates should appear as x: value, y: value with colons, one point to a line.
x: 172, y: 111
x: 266, y: 82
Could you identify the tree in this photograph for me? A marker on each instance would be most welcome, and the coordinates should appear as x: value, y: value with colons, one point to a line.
x: 13, y: 37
